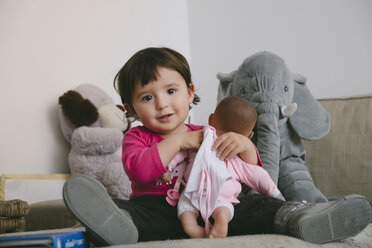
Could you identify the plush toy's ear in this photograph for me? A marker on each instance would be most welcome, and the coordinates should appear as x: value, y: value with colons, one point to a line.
x: 224, y: 88
x: 310, y: 121
x: 79, y: 111
x: 298, y: 78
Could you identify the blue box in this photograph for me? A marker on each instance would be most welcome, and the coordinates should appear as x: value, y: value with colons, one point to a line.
x: 52, y: 240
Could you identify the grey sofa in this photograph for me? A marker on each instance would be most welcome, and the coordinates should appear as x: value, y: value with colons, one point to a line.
x: 340, y: 163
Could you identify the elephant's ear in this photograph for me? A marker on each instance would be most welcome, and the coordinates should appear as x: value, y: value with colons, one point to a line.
x: 224, y: 88
x: 310, y: 121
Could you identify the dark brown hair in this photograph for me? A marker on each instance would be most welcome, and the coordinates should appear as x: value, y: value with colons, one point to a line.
x: 143, y: 66
x: 236, y: 114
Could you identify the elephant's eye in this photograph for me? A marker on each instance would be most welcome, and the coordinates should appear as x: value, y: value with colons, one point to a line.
x: 285, y: 88
x: 243, y: 92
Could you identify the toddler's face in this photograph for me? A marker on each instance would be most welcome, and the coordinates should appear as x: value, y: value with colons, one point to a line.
x: 162, y: 105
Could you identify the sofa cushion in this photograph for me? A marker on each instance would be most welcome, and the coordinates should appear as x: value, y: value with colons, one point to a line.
x: 341, y: 162
x: 51, y: 214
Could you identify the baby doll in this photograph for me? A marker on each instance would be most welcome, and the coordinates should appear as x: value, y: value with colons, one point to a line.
x: 233, y: 114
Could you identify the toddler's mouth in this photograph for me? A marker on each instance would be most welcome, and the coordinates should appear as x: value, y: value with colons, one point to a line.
x: 165, y: 117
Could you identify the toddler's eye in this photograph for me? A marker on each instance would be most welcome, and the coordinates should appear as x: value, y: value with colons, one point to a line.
x: 146, y: 98
x: 171, y: 91
x: 285, y: 88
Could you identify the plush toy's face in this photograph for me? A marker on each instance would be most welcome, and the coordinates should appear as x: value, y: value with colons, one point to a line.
x: 264, y: 78
x: 265, y: 81
x: 111, y: 115
x: 90, y: 106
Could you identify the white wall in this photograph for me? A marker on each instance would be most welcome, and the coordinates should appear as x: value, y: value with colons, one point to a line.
x: 48, y: 47
x: 329, y: 41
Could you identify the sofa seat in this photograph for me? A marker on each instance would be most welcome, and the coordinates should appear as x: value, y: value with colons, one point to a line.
x: 363, y: 239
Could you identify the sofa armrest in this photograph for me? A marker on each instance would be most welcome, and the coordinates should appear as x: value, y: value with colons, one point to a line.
x: 341, y: 162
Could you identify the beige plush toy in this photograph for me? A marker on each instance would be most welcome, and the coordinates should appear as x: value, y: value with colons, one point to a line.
x: 94, y: 126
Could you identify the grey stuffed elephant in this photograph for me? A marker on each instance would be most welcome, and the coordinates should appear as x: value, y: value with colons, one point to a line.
x: 287, y: 113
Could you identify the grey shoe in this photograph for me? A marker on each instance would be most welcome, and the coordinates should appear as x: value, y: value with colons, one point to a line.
x: 324, y: 222
x: 89, y: 202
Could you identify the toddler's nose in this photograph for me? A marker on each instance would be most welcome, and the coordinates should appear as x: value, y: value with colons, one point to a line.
x: 162, y: 103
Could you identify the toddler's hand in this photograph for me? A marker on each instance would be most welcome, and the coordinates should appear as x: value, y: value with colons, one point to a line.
x: 174, y: 143
x: 165, y: 178
x: 230, y: 144
x: 191, y: 140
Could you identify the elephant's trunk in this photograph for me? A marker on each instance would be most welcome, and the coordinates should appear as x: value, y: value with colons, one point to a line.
x: 268, y: 138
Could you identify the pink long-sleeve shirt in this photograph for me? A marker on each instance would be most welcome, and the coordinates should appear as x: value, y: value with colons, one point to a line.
x: 142, y: 163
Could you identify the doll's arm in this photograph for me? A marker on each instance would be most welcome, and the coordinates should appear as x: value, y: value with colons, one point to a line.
x: 255, y: 177
x: 250, y: 155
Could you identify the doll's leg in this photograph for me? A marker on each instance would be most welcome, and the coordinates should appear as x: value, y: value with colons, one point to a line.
x: 190, y: 225
x: 222, y: 216
x: 89, y: 202
x: 188, y: 216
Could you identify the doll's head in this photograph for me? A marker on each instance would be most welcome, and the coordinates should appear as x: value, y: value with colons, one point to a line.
x: 234, y: 114
x: 142, y: 68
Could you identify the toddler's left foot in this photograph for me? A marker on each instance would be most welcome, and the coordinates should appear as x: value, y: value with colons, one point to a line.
x: 324, y: 222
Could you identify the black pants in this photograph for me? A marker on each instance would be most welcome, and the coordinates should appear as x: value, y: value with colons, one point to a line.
x: 155, y: 219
